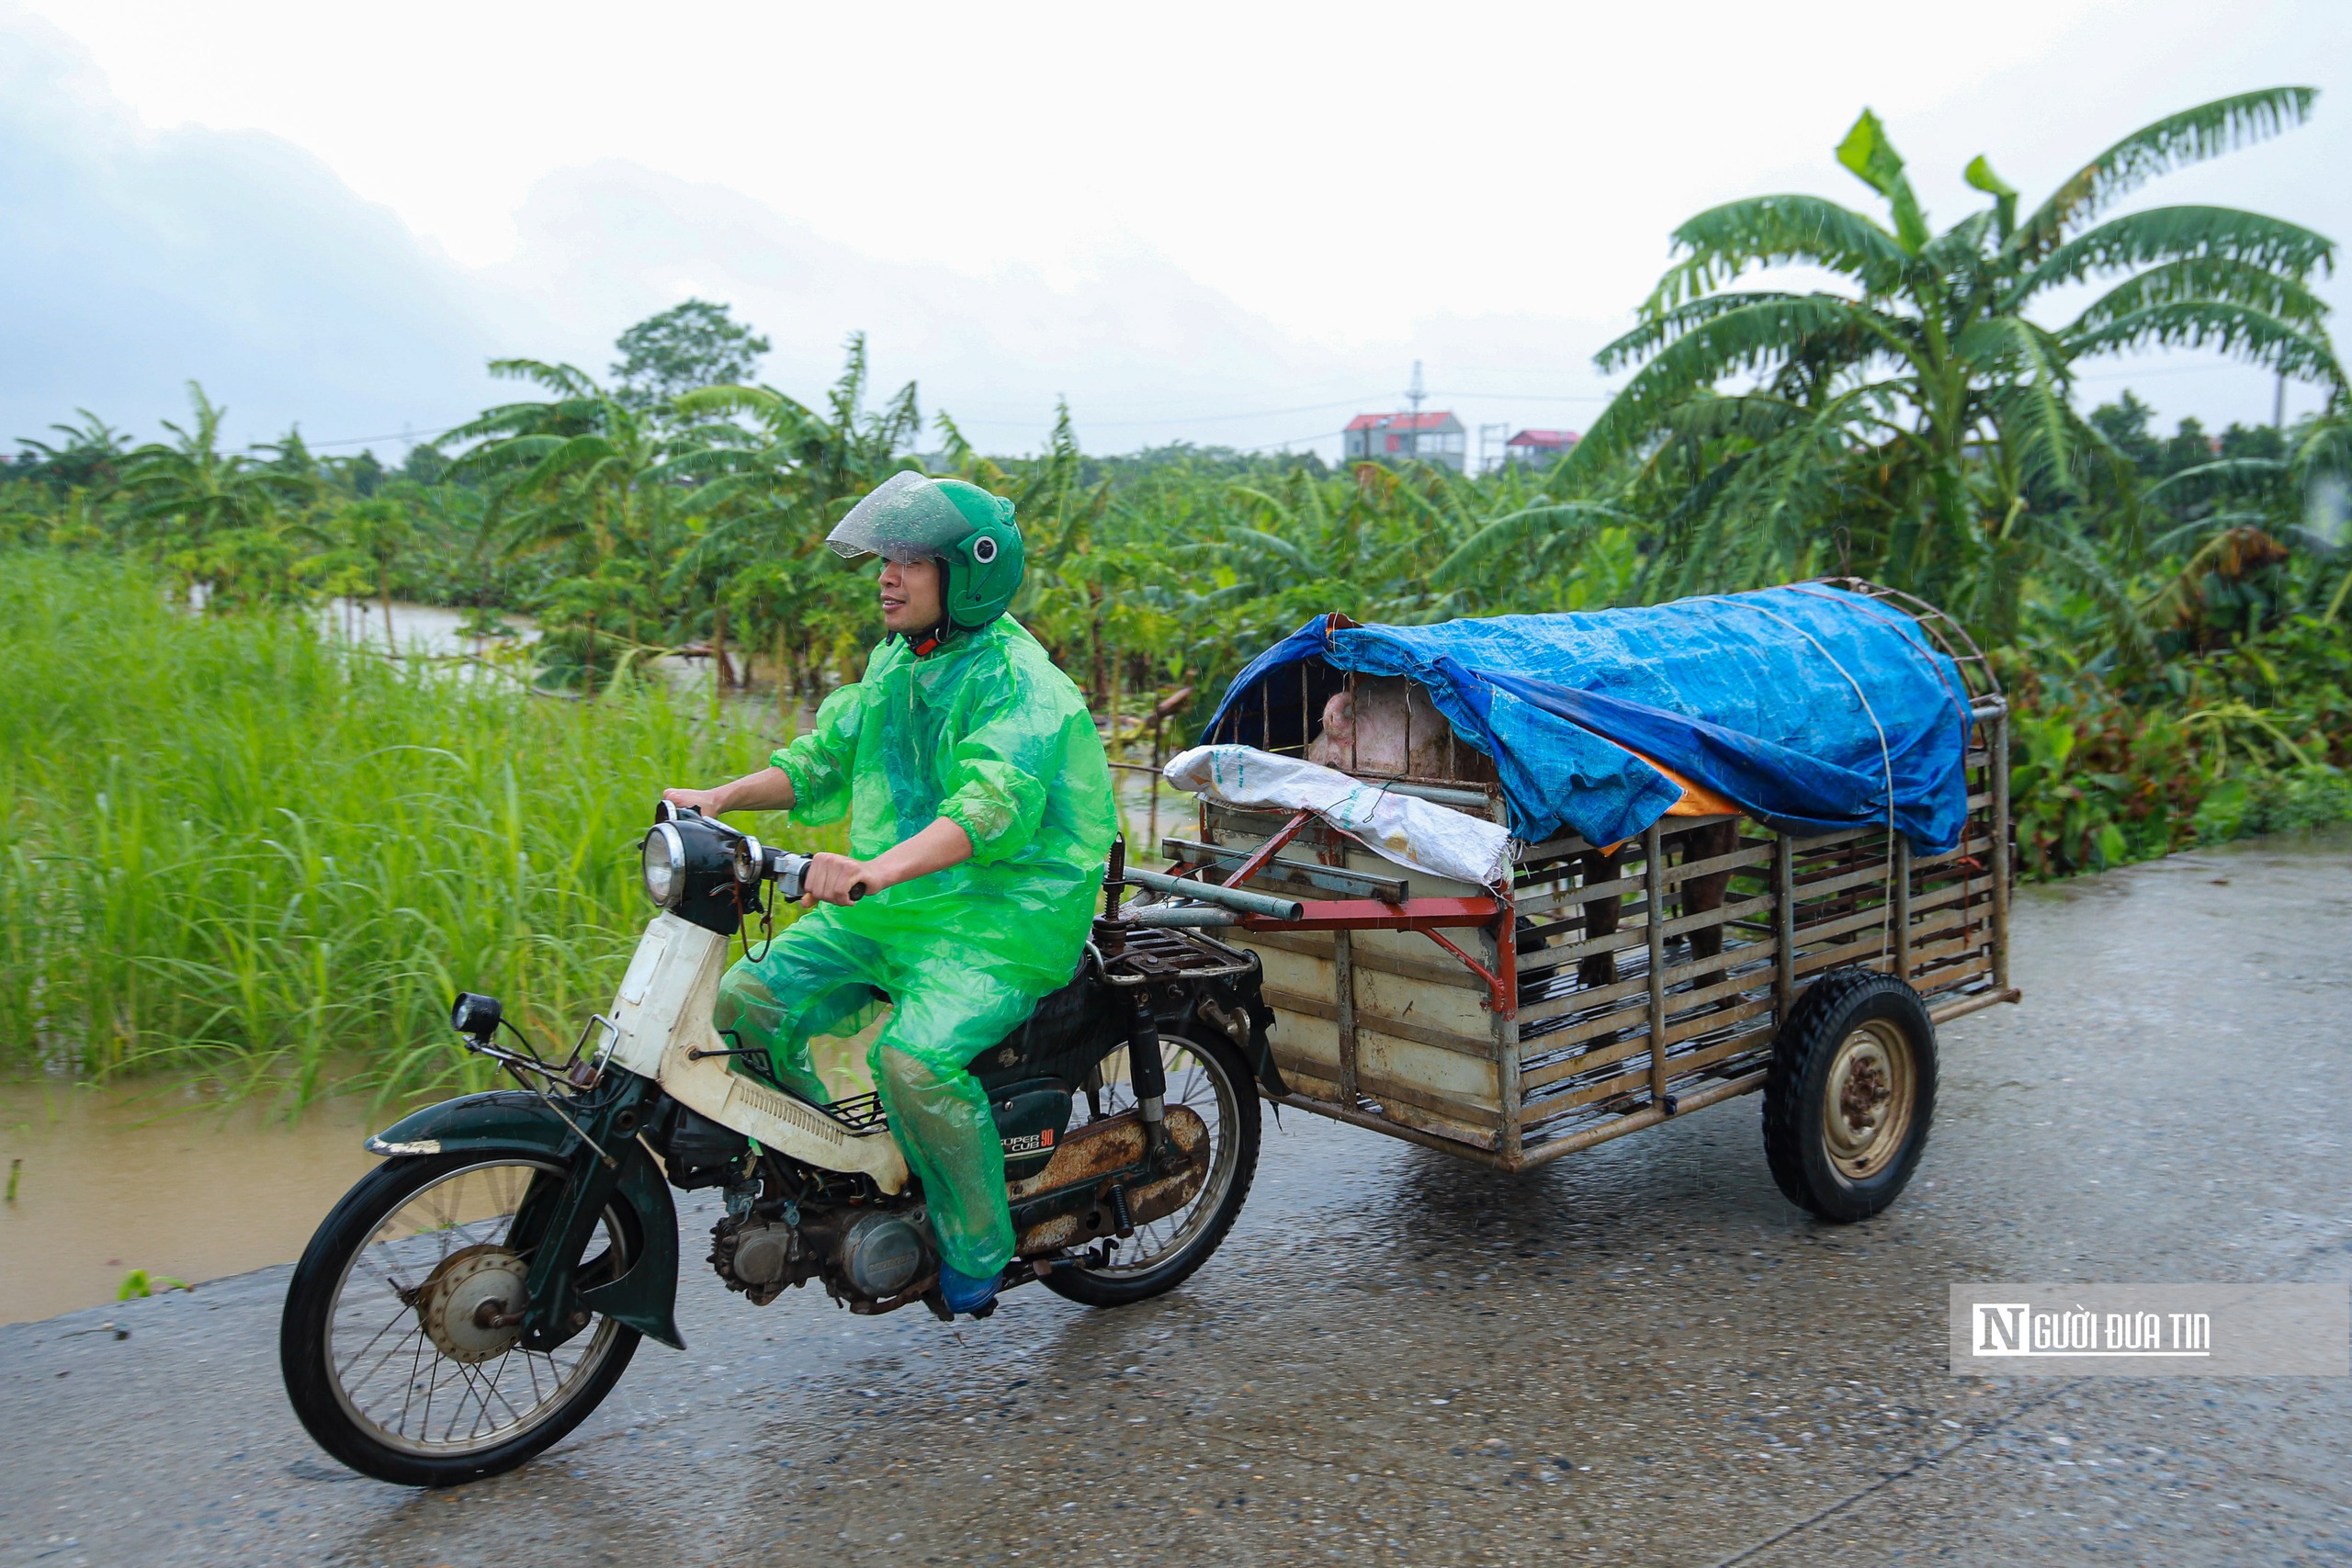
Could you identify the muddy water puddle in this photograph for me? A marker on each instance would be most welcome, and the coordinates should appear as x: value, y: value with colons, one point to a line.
x: 108, y: 1181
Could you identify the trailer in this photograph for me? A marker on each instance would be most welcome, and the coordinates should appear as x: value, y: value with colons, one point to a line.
x: 1602, y: 989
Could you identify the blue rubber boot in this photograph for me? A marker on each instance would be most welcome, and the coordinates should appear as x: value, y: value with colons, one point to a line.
x: 966, y: 1292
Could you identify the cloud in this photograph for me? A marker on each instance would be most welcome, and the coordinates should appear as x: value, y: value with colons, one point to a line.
x: 139, y: 259
x: 1142, y: 351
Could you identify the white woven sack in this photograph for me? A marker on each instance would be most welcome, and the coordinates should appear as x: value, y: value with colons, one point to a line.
x: 1417, y: 833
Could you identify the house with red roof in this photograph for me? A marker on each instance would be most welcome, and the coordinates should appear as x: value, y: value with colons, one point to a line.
x: 1402, y: 437
x: 1540, y: 448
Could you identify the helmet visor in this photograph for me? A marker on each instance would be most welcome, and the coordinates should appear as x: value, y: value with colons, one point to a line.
x: 904, y: 518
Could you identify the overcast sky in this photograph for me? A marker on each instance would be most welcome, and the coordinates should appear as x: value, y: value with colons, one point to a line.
x: 1223, y: 223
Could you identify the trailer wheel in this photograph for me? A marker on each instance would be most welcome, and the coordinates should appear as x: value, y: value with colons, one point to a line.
x: 1852, y: 1091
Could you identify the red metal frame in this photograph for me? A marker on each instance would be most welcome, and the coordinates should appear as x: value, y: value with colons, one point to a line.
x: 1423, y: 915
x: 1267, y: 850
x: 1498, y: 996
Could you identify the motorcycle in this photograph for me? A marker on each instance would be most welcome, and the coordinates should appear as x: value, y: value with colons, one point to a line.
x: 476, y: 1295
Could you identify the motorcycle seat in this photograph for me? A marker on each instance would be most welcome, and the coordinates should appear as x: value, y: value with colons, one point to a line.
x: 1063, y: 1022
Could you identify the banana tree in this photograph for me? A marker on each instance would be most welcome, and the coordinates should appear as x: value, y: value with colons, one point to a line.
x: 88, y: 457
x: 2323, y: 460
x: 2244, y: 525
x: 1914, y: 422
x: 773, y: 474
x: 376, y: 531
x: 186, y: 496
x: 771, y: 459
x: 572, y: 469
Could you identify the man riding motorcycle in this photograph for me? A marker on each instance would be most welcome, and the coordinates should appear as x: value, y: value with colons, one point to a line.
x: 980, y: 818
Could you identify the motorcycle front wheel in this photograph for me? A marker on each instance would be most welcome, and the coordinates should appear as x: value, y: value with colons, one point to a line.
x: 391, y: 1344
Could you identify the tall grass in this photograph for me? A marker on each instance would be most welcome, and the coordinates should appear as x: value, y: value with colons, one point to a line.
x: 229, y: 848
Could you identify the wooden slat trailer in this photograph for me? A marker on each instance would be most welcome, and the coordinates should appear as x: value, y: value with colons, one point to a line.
x: 1602, y: 992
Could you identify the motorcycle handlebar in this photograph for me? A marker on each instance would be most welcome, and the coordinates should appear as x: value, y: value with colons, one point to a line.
x: 790, y: 872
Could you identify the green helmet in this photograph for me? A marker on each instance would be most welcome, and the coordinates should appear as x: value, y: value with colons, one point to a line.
x: 970, y: 533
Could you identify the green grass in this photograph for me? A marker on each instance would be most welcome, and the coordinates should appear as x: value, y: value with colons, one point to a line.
x: 229, y: 848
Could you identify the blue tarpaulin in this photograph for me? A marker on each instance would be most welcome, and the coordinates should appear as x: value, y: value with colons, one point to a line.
x: 1812, y: 707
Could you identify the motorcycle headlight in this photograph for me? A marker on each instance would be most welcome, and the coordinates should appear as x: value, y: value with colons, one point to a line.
x: 475, y: 1015
x: 665, y: 866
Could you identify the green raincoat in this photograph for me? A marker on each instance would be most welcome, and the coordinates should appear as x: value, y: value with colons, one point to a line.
x: 986, y: 731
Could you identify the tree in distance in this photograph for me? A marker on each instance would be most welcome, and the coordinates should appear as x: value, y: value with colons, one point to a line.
x: 687, y: 347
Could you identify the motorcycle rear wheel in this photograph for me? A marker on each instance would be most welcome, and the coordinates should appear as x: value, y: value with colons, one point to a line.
x: 1209, y: 1076
x: 379, y: 1325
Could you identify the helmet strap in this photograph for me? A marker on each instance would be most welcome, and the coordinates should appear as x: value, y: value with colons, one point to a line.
x: 923, y: 643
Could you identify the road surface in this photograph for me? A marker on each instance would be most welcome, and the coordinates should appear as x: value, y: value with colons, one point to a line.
x: 1642, y: 1354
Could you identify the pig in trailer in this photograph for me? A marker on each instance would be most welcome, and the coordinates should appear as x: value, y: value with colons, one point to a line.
x: 1713, y: 931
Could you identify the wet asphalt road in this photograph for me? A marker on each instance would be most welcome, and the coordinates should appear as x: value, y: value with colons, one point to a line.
x: 1641, y: 1355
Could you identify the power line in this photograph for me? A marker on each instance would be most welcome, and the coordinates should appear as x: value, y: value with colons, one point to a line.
x: 411, y: 437
x: 1178, y: 419
x: 1533, y: 397
x: 1293, y: 441
x: 1088, y: 422
x: 2169, y: 370
x: 416, y: 438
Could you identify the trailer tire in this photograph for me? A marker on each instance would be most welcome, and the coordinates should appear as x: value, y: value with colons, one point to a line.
x: 1850, y: 1094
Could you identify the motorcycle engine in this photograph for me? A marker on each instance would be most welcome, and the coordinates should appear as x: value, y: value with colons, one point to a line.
x: 883, y: 1254
x: 759, y: 1256
x: 864, y: 1257
x: 763, y: 1252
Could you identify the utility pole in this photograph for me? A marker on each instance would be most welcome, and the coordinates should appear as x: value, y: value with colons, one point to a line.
x: 2279, y: 404
x: 1498, y: 432
x: 1413, y: 394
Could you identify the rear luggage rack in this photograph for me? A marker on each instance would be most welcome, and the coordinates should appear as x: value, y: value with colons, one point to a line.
x: 1145, y: 953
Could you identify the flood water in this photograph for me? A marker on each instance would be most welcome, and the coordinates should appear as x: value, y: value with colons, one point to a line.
x: 162, y: 1179
x: 433, y: 630
x: 436, y: 632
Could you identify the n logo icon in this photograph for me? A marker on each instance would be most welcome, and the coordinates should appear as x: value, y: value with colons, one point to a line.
x: 2001, y: 1329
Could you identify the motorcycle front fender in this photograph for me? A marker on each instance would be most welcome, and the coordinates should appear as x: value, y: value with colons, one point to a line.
x: 501, y: 1119
x: 515, y: 1121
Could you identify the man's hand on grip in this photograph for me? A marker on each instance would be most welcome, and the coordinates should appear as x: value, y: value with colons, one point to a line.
x: 837, y: 879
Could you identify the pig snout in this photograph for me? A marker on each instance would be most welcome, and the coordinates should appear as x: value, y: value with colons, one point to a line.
x: 1334, y: 746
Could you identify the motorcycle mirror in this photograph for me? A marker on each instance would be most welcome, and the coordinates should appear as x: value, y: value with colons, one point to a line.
x: 476, y: 1016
